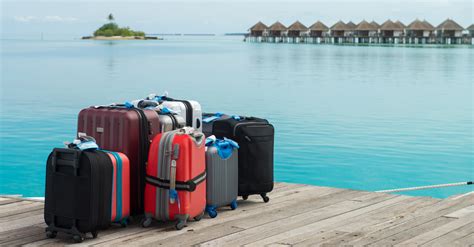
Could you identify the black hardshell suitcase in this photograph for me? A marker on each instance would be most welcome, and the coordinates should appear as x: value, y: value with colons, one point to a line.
x: 78, y: 192
x: 255, y: 137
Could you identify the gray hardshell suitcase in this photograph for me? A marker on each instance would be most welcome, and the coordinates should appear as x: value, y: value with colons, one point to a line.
x: 171, y: 122
x: 222, y: 167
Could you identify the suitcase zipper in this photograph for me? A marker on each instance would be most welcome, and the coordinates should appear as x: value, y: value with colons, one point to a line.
x: 246, y: 123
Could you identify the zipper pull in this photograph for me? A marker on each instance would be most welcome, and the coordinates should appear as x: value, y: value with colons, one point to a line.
x: 248, y: 138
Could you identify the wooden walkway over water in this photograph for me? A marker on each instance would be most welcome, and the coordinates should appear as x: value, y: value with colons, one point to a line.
x: 296, y: 215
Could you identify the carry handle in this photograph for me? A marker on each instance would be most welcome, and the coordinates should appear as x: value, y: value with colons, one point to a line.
x: 56, y: 159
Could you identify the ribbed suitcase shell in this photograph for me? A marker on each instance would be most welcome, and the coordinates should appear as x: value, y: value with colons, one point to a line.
x: 118, y: 129
x: 168, y: 123
x: 222, y: 177
x: 192, y: 117
x: 120, y: 194
x: 190, y: 163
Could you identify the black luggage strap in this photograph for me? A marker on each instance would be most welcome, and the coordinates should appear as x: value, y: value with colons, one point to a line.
x: 189, y: 185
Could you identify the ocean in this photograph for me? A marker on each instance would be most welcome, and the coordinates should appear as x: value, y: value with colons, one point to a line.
x: 357, y: 117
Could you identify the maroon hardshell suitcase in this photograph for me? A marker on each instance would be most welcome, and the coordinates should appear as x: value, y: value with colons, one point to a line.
x: 125, y: 130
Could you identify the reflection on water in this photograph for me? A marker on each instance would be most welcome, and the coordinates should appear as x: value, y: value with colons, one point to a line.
x: 356, y: 117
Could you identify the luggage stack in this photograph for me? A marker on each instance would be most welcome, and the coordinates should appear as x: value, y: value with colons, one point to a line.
x: 150, y: 159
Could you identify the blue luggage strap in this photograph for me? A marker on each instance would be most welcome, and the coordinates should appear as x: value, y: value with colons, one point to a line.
x: 224, y: 147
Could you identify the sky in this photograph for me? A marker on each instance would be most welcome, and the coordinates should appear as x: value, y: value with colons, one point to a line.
x: 82, y: 17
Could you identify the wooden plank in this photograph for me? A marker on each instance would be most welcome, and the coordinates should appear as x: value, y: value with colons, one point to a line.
x: 29, y: 206
x: 365, y: 223
x: 249, y: 211
x: 461, y: 212
x: 328, y: 218
x: 437, y: 232
x: 24, y: 232
x: 467, y: 240
x: 22, y: 215
x: 283, y: 195
x: 320, y: 237
x: 20, y: 223
x: 449, y: 238
x: 415, y: 219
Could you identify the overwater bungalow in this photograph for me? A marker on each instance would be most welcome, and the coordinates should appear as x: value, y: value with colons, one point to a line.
x: 419, y: 32
x: 365, y: 32
x: 318, y: 33
x: 296, y: 31
x: 449, y: 32
x: 375, y: 24
x: 257, y: 31
x: 391, y: 32
x: 339, y: 32
x: 276, y: 32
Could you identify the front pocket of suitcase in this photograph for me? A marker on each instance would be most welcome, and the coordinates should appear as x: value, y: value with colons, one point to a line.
x: 260, y: 159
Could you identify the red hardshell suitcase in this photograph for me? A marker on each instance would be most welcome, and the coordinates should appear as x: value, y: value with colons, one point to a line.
x: 125, y: 130
x: 176, y: 177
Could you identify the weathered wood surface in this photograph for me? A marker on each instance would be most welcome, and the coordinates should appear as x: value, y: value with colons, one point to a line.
x: 299, y: 215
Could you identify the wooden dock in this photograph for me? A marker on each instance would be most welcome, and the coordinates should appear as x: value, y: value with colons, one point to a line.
x: 296, y: 215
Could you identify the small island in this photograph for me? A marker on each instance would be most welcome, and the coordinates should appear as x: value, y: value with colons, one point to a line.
x: 112, y: 31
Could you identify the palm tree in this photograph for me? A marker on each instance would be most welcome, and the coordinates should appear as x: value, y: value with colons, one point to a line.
x: 110, y: 18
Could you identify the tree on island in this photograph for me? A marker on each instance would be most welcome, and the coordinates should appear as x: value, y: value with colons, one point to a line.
x: 112, y: 29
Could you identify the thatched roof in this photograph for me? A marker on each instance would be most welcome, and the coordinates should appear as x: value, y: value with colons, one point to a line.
x: 277, y: 26
x: 391, y: 26
x: 470, y: 28
x: 418, y: 25
x: 339, y: 26
x: 258, y: 27
x: 297, y: 26
x: 449, y: 25
x: 400, y: 24
x: 351, y: 25
x: 318, y: 26
x: 375, y: 24
x: 365, y: 26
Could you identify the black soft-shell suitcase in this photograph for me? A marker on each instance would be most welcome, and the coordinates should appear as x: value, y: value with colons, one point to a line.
x: 255, y: 137
x: 78, y: 192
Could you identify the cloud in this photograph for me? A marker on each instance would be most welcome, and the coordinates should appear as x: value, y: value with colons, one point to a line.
x: 24, y: 18
x: 55, y: 18
x: 48, y: 18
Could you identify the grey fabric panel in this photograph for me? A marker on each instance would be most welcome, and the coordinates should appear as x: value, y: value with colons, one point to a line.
x: 222, y: 178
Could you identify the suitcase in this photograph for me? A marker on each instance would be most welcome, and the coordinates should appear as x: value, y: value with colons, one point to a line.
x: 170, y: 121
x: 255, y: 137
x: 190, y: 110
x: 126, y: 130
x: 176, y: 178
x: 85, y: 191
x: 222, y: 168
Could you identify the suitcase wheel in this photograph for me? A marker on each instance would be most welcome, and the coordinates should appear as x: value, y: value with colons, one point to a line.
x: 124, y: 222
x: 51, y: 234
x: 146, y: 222
x: 180, y: 224
x: 245, y: 197
x: 233, y: 205
x: 212, y: 213
x: 78, y: 238
x: 94, y: 234
x: 265, y: 198
x: 199, y: 217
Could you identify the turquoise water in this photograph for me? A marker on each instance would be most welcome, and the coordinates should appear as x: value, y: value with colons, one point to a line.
x: 366, y: 118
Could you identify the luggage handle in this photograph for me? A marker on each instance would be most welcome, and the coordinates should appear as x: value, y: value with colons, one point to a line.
x: 63, y: 162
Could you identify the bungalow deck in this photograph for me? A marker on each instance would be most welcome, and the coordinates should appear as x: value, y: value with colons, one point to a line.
x: 296, y: 215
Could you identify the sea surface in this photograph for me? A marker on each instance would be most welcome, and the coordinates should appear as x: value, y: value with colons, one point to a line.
x: 358, y: 117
